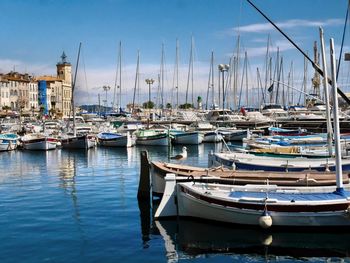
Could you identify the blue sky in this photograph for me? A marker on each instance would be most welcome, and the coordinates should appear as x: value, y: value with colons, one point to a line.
x: 34, y: 34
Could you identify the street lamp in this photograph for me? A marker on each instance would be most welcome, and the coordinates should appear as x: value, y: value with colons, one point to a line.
x: 149, y: 82
x: 222, y: 69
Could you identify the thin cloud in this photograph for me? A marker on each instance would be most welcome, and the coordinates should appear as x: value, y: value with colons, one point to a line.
x: 259, y: 51
x: 293, y: 23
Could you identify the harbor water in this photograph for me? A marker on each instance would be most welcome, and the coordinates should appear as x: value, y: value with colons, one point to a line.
x: 81, y: 206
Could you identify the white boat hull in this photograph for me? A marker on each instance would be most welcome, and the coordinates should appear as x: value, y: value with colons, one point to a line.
x: 122, y: 141
x: 192, y: 207
x: 189, y: 138
x: 212, y: 137
x: 41, y: 145
x: 164, y: 141
x: 10, y: 146
x: 246, y: 205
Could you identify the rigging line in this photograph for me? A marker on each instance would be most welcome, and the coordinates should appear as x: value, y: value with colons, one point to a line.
x: 315, y: 66
x: 342, y: 41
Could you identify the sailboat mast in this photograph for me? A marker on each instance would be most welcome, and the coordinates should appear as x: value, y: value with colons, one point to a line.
x: 73, y: 88
x: 117, y: 86
x: 192, y: 69
x: 326, y: 94
x: 209, y: 82
x: 162, y: 77
x: 136, y: 79
x: 212, y: 80
x: 246, y: 77
x: 338, y: 161
x: 120, y: 76
x: 236, y: 71
x: 177, y: 73
x: 188, y: 76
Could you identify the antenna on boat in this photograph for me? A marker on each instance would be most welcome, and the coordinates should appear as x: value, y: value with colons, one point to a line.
x: 315, y: 66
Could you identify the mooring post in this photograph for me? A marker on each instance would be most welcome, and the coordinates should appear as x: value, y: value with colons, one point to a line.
x: 143, y: 192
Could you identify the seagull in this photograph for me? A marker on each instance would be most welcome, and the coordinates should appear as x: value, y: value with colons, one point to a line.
x: 183, y: 155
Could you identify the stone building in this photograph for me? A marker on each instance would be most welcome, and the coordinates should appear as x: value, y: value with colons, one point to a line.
x: 18, y: 91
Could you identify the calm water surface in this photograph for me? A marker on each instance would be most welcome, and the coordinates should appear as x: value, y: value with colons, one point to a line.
x: 77, y: 206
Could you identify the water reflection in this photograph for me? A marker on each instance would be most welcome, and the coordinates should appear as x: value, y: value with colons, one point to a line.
x: 184, y: 238
x: 67, y: 178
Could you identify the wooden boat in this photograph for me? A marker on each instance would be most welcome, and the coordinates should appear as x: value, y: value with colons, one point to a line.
x: 115, y: 139
x: 8, y: 141
x: 83, y: 141
x: 255, y: 205
x: 212, y: 136
x: 287, y: 132
x: 38, y: 141
x: 246, y: 161
x: 233, y: 134
x: 225, y: 176
x: 193, y: 138
x: 288, y: 151
x: 152, y: 137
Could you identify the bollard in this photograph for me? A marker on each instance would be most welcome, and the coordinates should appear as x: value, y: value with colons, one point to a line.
x: 144, y: 189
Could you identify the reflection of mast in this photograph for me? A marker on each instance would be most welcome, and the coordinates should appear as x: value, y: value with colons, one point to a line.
x: 67, y: 176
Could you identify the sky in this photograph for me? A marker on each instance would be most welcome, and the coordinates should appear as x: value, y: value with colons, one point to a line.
x: 36, y: 32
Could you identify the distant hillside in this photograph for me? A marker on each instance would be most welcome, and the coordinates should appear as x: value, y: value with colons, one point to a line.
x: 95, y: 108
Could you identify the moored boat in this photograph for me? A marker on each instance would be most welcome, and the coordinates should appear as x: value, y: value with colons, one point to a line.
x: 193, y: 138
x: 78, y: 142
x: 38, y: 141
x: 246, y: 161
x: 152, y: 138
x: 212, y: 136
x: 115, y: 139
x: 8, y: 141
x: 255, y: 205
x: 159, y: 170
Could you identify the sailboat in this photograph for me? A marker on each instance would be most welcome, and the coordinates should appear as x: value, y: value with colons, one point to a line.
x: 74, y: 140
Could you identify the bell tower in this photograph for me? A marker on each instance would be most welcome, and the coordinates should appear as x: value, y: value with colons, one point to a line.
x: 64, y: 70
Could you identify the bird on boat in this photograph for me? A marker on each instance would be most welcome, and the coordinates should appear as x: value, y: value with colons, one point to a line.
x: 183, y: 155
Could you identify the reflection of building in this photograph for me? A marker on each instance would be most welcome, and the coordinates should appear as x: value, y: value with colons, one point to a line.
x: 58, y: 89
x: 18, y: 91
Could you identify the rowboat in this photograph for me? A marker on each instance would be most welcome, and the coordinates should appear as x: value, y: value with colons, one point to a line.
x: 212, y: 136
x: 152, y: 137
x: 220, y: 175
x: 256, y: 205
x: 38, y: 141
x: 115, y: 139
x: 246, y: 161
x: 83, y: 141
x: 233, y: 134
x: 193, y: 138
x: 8, y: 141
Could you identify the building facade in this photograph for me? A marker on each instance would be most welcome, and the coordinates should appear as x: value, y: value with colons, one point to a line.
x: 18, y: 92
x: 50, y: 95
